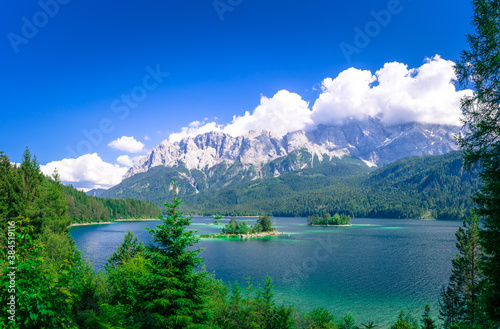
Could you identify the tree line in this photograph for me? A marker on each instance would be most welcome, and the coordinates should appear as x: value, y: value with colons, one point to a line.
x: 83, y: 208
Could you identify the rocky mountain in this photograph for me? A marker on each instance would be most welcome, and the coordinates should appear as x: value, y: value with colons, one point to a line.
x: 331, y: 168
x: 370, y: 141
x: 95, y: 192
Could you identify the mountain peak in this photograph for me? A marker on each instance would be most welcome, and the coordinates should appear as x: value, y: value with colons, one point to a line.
x: 369, y: 140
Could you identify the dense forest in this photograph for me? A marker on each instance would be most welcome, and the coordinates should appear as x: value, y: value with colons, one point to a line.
x: 80, y: 207
x: 83, y: 208
x: 416, y: 187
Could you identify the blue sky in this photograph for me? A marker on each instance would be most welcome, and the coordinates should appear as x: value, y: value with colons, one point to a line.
x: 67, y: 66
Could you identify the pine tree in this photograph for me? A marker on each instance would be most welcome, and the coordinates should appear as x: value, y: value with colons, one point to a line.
x: 460, y: 300
x: 127, y: 250
x: 174, y: 296
x: 427, y: 321
x: 480, y: 66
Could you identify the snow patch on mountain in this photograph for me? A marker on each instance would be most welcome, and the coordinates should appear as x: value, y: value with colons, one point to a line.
x: 369, y: 140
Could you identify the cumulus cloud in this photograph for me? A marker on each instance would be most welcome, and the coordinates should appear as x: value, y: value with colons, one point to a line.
x: 88, y: 171
x: 395, y: 94
x: 127, y: 144
x: 282, y: 113
x: 195, y: 128
x: 127, y: 161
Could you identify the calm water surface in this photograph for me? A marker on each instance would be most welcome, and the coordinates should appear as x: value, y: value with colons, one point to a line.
x: 373, y: 269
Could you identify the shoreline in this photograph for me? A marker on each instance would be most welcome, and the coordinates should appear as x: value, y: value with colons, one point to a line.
x: 241, y: 236
x: 328, y: 225
x: 111, y: 222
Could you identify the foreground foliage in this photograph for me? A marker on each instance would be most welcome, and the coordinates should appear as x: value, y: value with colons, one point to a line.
x: 479, y: 67
x: 460, y: 299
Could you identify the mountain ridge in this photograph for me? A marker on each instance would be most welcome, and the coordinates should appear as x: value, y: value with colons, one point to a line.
x: 369, y: 140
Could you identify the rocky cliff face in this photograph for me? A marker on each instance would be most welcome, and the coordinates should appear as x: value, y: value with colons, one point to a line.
x: 368, y: 140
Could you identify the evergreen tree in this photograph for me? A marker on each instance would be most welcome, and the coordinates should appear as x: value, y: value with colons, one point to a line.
x: 404, y: 322
x: 460, y: 300
x: 174, y: 294
x: 480, y: 66
x: 263, y: 224
x: 127, y: 250
x: 451, y: 305
x: 427, y: 321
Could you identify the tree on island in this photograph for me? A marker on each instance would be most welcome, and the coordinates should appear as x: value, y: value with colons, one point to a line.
x: 479, y: 66
x: 217, y: 219
x: 327, y: 219
x: 263, y: 224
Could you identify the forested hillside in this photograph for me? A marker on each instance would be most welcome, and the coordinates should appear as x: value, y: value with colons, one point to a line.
x: 80, y: 207
x: 155, y: 185
x: 415, y: 187
x: 83, y: 208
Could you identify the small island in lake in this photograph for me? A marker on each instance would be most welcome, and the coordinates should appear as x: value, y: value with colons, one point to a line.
x: 328, y: 220
x: 262, y: 228
x: 217, y: 219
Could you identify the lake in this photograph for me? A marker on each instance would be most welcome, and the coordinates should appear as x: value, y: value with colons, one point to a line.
x: 372, y: 269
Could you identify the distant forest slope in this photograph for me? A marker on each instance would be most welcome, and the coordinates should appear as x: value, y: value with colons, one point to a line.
x: 416, y: 187
x: 26, y: 182
x: 83, y: 208
x: 155, y: 185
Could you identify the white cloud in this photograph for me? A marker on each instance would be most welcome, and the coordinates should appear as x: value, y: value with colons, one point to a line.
x: 125, y: 160
x: 128, y: 161
x: 344, y: 96
x: 146, y: 138
x: 282, y: 113
x: 193, y: 129
x: 88, y: 171
x: 395, y: 94
x: 127, y: 144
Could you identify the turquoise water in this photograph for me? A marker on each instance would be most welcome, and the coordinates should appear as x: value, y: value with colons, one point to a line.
x: 373, y: 269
